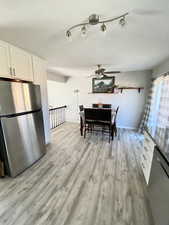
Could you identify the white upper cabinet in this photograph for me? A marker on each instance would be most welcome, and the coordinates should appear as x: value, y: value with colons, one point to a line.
x: 5, y: 68
x: 38, y: 69
x: 21, y: 63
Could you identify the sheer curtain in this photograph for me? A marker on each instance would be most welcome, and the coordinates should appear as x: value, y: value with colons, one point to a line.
x: 162, y: 123
x: 155, y: 105
x: 147, y: 111
x: 151, y: 108
x: 156, y: 115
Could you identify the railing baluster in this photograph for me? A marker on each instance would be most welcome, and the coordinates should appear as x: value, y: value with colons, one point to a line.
x: 62, y: 116
x: 57, y: 116
x: 54, y: 117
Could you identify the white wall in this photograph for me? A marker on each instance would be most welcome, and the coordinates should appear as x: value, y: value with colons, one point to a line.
x: 40, y: 78
x: 130, y: 101
x: 57, y: 93
x: 58, y: 78
x: 160, y: 69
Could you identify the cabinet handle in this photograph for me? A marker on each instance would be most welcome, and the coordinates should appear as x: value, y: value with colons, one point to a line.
x: 143, y: 166
x: 10, y: 70
x: 14, y: 71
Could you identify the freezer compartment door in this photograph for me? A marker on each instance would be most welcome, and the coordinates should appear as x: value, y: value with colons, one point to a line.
x: 24, y: 141
x: 18, y: 97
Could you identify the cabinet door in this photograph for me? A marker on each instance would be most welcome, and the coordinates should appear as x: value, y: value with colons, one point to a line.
x: 4, y: 60
x: 21, y: 64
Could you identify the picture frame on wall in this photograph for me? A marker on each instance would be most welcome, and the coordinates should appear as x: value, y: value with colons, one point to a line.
x: 103, y: 85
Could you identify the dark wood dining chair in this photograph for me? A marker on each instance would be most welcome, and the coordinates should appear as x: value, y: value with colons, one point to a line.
x: 114, y: 126
x: 81, y: 108
x: 98, y: 117
x: 104, y: 106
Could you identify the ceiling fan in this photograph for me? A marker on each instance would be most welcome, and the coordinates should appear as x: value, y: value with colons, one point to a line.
x: 101, y: 72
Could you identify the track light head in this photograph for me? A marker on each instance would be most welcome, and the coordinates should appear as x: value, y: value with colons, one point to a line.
x: 83, y: 30
x: 103, y: 27
x: 68, y: 34
x: 122, y: 21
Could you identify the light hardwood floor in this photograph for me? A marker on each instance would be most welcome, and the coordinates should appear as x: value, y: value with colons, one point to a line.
x: 79, y: 182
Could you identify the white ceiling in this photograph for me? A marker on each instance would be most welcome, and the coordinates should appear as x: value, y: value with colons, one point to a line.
x: 39, y: 26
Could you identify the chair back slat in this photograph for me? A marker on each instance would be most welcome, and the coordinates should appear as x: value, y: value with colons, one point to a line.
x: 107, y: 106
x: 104, y: 106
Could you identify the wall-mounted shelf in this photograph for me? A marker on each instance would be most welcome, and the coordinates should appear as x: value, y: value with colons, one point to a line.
x: 121, y: 90
x: 131, y: 88
x: 101, y: 93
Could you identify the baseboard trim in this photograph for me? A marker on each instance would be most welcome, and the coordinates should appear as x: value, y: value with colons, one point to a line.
x: 125, y: 127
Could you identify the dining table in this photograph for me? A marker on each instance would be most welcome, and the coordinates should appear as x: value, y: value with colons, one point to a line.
x: 81, y: 113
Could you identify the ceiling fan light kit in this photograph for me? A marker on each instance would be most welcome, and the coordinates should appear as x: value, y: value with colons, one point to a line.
x: 102, y: 72
x: 94, y: 19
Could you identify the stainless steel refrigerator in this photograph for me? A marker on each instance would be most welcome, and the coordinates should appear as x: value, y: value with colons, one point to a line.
x: 22, y: 140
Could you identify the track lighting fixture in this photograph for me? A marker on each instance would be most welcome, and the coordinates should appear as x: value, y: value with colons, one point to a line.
x: 94, y: 20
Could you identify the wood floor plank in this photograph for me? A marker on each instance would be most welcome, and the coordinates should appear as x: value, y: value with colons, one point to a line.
x: 80, y: 182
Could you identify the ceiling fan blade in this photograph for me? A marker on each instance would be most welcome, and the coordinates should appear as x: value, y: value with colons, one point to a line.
x: 111, y: 72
